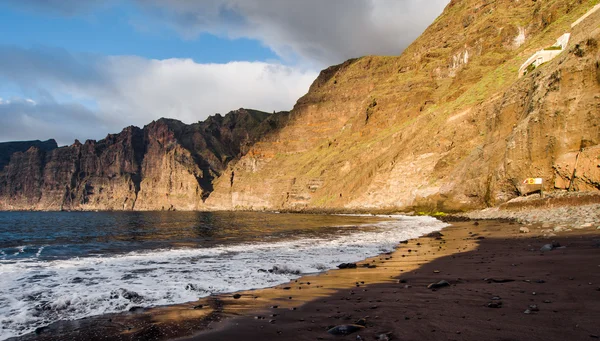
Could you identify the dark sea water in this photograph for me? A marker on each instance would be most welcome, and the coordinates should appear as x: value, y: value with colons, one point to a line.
x: 69, y: 265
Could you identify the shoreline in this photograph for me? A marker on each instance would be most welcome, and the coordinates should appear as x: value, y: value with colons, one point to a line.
x: 504, y: 288
x: 139, y: 322
x: 221, y: 316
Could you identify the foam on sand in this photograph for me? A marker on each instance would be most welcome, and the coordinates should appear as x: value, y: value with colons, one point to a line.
x: 35, y: 293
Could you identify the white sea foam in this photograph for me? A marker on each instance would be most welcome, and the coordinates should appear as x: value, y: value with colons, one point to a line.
x: 35, y: 293
x: 21, y: 249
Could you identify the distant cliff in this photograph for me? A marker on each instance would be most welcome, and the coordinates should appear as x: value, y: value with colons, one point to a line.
x: 7, y: 149
x: 165, y: 165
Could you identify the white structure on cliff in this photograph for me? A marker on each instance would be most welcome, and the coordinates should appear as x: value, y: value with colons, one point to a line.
x: 550, y: 53
x: 546, y: 55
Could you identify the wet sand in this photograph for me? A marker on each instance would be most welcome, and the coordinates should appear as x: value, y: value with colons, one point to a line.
x: 563, y: 284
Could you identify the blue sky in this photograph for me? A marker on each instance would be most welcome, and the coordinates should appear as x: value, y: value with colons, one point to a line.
x: 81, y: 69
x: 122, y: 30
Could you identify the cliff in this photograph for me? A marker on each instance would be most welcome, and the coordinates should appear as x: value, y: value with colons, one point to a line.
x: 448, y: 125
x: 165, y: 165
x: 7, y: 149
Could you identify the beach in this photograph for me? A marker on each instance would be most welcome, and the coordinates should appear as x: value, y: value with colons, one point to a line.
x: 502, y: 286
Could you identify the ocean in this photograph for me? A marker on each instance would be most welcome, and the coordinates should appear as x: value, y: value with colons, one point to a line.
x: 70, y: 265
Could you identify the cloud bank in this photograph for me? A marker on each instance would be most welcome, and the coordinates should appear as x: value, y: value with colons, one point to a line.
x: 82, y: 96
x: 317, y: 32
x: 86, y: 96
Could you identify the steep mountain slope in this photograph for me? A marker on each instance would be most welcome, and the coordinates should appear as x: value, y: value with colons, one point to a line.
x: 447, y: 125
x: 165, y: 165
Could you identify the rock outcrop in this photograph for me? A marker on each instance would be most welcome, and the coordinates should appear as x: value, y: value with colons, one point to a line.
x: 447, y: 125
x: 166, y: 165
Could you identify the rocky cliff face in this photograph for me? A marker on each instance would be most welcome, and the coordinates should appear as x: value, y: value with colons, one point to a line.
x: 447, y: 125
x: 165, y: 165
x: 7, y: 149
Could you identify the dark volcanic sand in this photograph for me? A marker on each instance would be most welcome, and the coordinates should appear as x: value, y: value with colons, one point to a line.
x: 564, y: 284
x: 568, y: 299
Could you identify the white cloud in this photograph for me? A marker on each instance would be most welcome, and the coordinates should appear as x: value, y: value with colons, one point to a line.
x: 87, y: 96
x: 317, y: 32
x: 183, y: 89
x: 126, y: 90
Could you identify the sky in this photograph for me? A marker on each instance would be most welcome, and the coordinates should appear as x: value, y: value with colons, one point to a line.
x: 72, y: 69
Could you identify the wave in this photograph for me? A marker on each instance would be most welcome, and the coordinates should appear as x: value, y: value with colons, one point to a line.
x: 34, y: 293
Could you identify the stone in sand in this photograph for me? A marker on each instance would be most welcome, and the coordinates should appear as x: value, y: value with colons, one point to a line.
x: 362, y: 322
x: 438, y: 285
x: 550, y: 247
x: 347, y: 266
x: 523, y: 229
x: 498, y: 280
x: 497, y: 304
x: 237, y: 296
x: 345, y: 329
x: 384, y: 336
x: 435, y: 235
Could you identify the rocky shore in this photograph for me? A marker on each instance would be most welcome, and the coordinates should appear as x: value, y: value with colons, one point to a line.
x: 555, y: 213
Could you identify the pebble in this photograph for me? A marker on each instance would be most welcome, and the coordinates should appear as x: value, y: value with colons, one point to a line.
x: 384, y: 336
x: 582, y: 216
x: 361, y: 322
x: 523, y: 229
x: 347, y: 266
x: 440, y: 284
x: 497, y: 304
x: 345, y: 329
